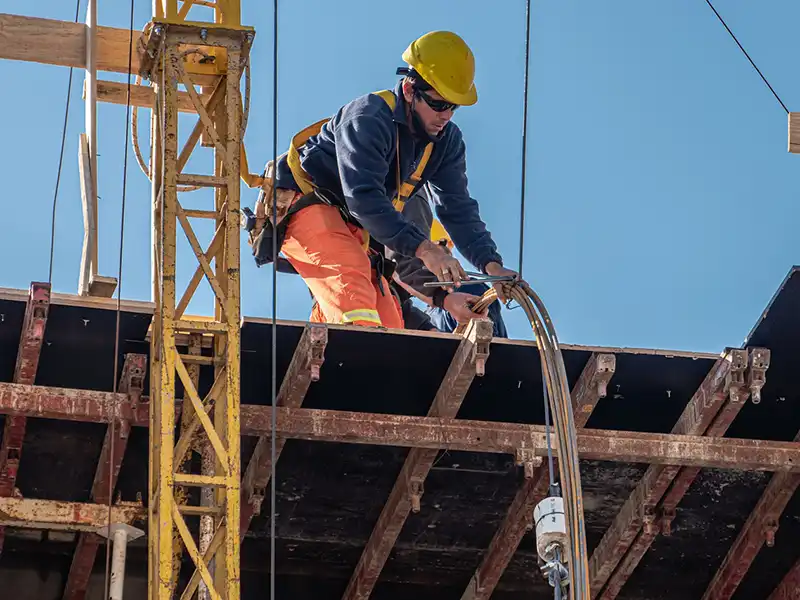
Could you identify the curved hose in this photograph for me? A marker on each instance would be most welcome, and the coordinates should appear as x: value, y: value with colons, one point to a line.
x: 143, y: 165
x: 563, y: 422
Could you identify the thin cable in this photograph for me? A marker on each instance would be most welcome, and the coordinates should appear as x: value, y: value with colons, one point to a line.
x: 60, y: 163
x: 112, y: 421
x: 721, y: 20
x: 524, y: 134
x: 273, y: 449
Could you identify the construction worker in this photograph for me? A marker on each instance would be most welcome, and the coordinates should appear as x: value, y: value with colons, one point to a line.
x: 343, y: 182
x: 411, y: 275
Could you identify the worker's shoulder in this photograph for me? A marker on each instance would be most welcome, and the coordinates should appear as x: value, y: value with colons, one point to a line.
x: 367, y: 105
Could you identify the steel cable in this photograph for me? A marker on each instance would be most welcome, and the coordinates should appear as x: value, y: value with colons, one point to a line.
x: 274, y: 365
x: 60, y: 162
x: 560, y: 403
x: 112, y: 418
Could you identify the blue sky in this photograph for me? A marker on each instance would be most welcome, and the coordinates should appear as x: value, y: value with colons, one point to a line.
x: 661, y: 201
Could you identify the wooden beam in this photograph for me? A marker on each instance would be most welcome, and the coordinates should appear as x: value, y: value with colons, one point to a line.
x: 590, y: 387
x: 760, y: 527
x: 63, y: 43
x: 141, y: 95
x: 304, y: 369
x: 637, y: 515
x: 794, y: 132
x: 469, y: 361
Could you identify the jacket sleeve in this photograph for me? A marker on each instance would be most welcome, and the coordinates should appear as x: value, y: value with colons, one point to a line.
x: 410, y: 269
x: 458, y: 212
x: 363, y: 142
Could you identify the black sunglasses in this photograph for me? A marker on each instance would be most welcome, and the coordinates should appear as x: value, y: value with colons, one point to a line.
x: 436, y: 105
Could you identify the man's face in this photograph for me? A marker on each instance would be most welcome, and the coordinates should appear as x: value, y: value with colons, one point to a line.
x: 428, y: 105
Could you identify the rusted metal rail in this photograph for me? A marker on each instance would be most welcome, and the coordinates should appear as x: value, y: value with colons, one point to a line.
x: 108, y: 466
x: 759, y: 529
x: 30, y: 346
x: 711, y: 409
x: 789, y: 587
x: 427, y: 432
x: 303, y: 370
x: 469, y: 361
x: 590, y: 387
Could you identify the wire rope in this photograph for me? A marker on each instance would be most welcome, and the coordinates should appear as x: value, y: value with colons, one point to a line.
x: 112, y: 418
x: 60, y: 163
x: 274, y: 365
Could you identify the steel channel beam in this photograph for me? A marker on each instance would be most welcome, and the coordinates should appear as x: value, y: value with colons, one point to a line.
x: 30, y: 346
x: 725, y: 377
x: 53, y: 515
x: 739, y: 386
x: 789, y: 587
x: 303, y: 370
x: 428, y: 432
x: 105, y: 478
x: 469, y: 361
x: 590, y: 387
x: 759, y: 528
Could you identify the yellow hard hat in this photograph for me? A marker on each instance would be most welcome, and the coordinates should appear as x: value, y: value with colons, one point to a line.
x: 445, y: 61
x: 438, y: 234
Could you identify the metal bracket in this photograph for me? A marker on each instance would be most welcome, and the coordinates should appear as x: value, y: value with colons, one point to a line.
x: 759, y: 360
x: 526, y: 458
x: 667, y: 517
x: 416, y: 490
x: 316, y: 353
x: 770, y: 529
x: 736, y: 380
x: 649, y: 519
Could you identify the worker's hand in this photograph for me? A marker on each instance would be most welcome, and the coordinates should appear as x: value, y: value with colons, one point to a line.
x: 439, y: 262
x: 503, y: 287
x: 460, y: 304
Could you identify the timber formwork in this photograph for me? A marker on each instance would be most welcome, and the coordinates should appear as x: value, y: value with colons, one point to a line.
x: 415, y: 480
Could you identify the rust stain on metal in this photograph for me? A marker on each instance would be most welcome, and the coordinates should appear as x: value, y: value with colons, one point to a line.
x: 469, y: 361
x: 304, y: 369
x: 789, y: 587
x: 589, y: 389
x: 710, y: 412
x: 759, y: 528
x: 108, y: 467
x: 30, y: 346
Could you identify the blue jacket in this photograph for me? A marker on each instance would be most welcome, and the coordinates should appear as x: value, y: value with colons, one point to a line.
x: 353, y: 156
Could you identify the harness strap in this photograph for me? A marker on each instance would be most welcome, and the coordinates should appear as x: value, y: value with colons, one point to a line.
x: 307, y: 186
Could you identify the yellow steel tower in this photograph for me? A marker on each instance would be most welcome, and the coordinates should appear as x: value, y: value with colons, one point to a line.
x: 176, y: 51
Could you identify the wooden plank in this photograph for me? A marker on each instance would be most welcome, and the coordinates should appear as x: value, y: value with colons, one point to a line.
x: 590, y: 387
x: 143, y: 96
x: 63, y: 43
x: 467, y: 362
x: 794, y: 132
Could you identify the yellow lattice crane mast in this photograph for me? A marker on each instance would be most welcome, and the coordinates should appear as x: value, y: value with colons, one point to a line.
x: 177, y: 51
